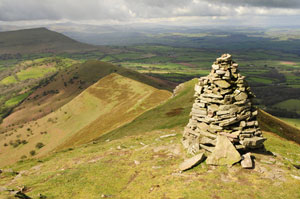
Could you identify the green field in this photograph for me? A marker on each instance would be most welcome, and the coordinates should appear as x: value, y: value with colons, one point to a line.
x: 34, y: 72
x: 8, y: 80
x: 293, y: 122
x: 291, y: 105
x: 16, y: 100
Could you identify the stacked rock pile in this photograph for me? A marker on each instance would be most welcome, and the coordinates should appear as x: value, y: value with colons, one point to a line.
x: 223, y: 107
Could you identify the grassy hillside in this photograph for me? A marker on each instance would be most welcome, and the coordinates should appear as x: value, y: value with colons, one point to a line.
x: 175, y: 113
x: 20, y: 80
x: 58, y: 90
x: 270, y: 123
x: 108, y: 104
x: 292, y: 122
x: 141, y: 163
x: 38, y: 40
x: 147, y: 167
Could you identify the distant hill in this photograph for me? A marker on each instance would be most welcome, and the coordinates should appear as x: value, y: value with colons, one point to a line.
x: 39, y: 40
x: 58, y: 90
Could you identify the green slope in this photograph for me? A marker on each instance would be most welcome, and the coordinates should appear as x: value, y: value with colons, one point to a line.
x: 104, y: 106
x: 142, y: 164
x: 147, y: 167
x: 175, y: 113
x: 273, y: 124
x: 56, y: 91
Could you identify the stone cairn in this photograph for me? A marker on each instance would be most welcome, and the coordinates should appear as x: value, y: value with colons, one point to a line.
x: 223, y: 107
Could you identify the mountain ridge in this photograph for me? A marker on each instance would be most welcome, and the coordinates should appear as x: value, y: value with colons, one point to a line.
x: 39, y: 40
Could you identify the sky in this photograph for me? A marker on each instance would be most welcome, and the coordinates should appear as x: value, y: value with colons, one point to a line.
x: 162, y: 12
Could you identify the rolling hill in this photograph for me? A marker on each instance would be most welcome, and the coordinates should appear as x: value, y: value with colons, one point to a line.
x: 58, y: 90
x: 109, y: 103
x: 39, y: 40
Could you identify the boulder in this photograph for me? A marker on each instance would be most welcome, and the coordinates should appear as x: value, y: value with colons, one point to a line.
x: 191, y: 162
x: 253, y: 142
x: 224, y: 153
x: 247, y: 162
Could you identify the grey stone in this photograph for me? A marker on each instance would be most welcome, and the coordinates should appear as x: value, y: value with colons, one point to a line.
x: 213, y: 107
x: 215, y: 66
x: 228, y: 122
x: 194, y: 147
x: 222, y: 83
x: 199, y: 111
x: 241, y: 96
x: 224, y: 153
x: 198, y: 88
x: 211, y: 95
x: 220, y: 72
x: 207, y: 148
x: 168, y: 135
x: 208, y: 141
x: 247, y: 162
x: 207, y: 134
x: 225, y: 91
x: 191, y: 162
x: 253, y: 142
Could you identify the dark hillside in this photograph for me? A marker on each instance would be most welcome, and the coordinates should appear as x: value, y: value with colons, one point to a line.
x: 38, y: 40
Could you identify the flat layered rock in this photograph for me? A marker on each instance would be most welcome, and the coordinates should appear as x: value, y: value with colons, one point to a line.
x: 224, y: 153
x: 222, y: 83
x: 191, y: 162
x: 247, y: 162
x: 253, y: 142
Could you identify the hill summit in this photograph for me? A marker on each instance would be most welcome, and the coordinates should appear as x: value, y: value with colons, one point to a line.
x: 38, y: 40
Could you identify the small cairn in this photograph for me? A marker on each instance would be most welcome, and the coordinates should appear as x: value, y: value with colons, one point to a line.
x: 223, y: 107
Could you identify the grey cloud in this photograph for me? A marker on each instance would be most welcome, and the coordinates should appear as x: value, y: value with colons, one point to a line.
x: 294, y: 4
x: 129, y: 10
x: 12, y: 10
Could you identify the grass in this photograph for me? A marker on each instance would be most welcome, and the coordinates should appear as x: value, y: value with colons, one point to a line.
x: 108, y: 170
x: 290, y: 105
x: 69, y: 83
x: 260, y: 80
x: 106, y: 105
x: 34, y: 72
x: 16, y: 100
x: 8, y: 80
x: 292, y: 121
x: 273, y: 124
x: 160, y: 117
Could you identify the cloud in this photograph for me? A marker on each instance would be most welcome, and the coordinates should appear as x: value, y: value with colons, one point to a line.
x: 293, y: 4
x: 133, y: 11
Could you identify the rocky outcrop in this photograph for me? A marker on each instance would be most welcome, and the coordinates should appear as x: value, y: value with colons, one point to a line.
x: 223, y: 107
